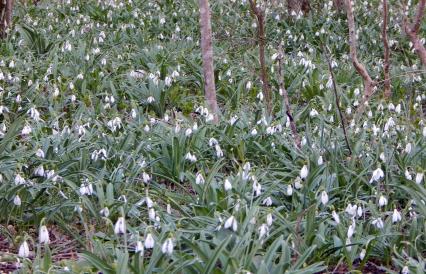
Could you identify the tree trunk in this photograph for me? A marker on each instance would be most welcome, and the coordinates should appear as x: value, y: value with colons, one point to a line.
x: 6, y: 10
x: 412, y: 31
x: 266, y: 89
x: 298, y: 6
x: 368, y: 82
x: 339, y: 5
x: 207, y: 55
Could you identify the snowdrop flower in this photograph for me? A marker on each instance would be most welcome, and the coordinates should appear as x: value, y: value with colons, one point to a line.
x: 26, y: 130
x: 351, y: 209
x: 424, y: 132
x: 398, y: 109
x: 24, y: 250
x: 149, y: 241
x: 269, y: 219
x: 289, y: 191
x: 362, y: 254
x: 263, y: 231
x: 304, y: 172
x: 188, y: 132
x: 120, y: 226
x: 167, y: 247
x: 19, y: 180
x: 219, y: 152
x: 253, y: 132
x: 267, y: 201
x: 382, y: 157
x: 150, y: 99
x: 377, y: 175
x: 335, y: 217
x: 190, y: 157
x: 408, y: 175
x: 145, y: 177
x: 351, y: 230
x: 17, y: 200
x: 378, y: 223
x: 260, y: 96
x: 324, y: 197
x: 104, y: 212
x: 383, y: 201
x: 86, y: 189
x: 44, y: 235
x: 396, y: 216
x: 139, y: 248
x: 231, y: 222
x: 419, y: 177
x: 320, y: 161
x: 34, y: 114
x: 248, y: 85
x: 391, y: 107
x: 199, y: 179
x: 149, y: 202
x: 359, y: 211
x: 234, y: 119
x: 39, y: 171
x: 151, y: 214
x: 408, y: 148
x: 257, y: 188
x: 298, y: 183
x: 146, y: 128
x: 313, y: 113
x: 405, y: 270
x: 227, y: 185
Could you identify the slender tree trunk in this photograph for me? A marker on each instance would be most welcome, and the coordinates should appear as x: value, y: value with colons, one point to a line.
x: 6, y: 11
x: 286, y: 100
x: 207, y: 55
x: 368, y: 82
x: 412, y: 31
x: 386, y: 62
x: 266, y: 89
x: 339, y: 5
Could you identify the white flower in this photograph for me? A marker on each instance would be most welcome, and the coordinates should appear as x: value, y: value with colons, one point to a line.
x: 351, y: 209
x: 335, y: 217
x: 424, y: 132
x: 313, y: 113
x: 188, y: 132
x: 320, y: 161
x: 227, y: 185
x: 362, y: 254
x: 324, y: 197
x: 167, y: 247
x: 419, y: 178
x: 378, y: 223
x: 383, y: 201
x: 19, y: 180
x: 263, y: 231
x: 377, y: 175
x: 267, y: 201
x: 219, y: 152
x: 139, y: 247
x: 408, y: 148
x: 257, y: 188
x: 231, y: 222
x: 146, y: 178
x: 298, y: 183
x: 382, y: 157
x: 405, y: 270
x: 199, y: 179
x: 149, y: 241
x: 24, y: 250
x: 104, y: 212
x: 151, y: 214
x: 17, y: 200
x: 359, y: 211
x: 26, y: 130
x: 396, y: 216
x: 44, y: 235
x: 253, y: 132
x: 304, y: 172
x: 269, y: 219
x: 190, y: 157
x: 86, y: 189
x: 289, y: 191
x: 408, y: 175
x: 260, y: 96
x: 39, y: 171
x: 120, y: 226
x: 351, y: 230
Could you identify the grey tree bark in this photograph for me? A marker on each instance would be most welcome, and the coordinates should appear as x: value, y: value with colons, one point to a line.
x: 207, y: 55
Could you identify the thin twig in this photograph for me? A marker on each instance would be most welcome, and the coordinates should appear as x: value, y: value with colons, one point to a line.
x: 284, y: 93
x: 412, y: 31
x: 386, y: 63
x: 342, y: 119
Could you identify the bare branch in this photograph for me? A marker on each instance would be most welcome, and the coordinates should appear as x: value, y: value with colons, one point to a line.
x: 386, y: 63
x: 266, y: 89
x: 336, y: 96
x: 368, y: 82
x: 284, y: 93
x: 207, y: 54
